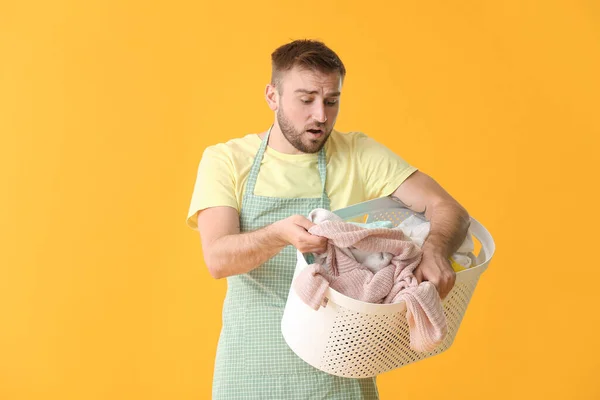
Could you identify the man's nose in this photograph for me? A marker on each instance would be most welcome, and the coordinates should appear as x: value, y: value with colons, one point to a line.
x: 319, y: 113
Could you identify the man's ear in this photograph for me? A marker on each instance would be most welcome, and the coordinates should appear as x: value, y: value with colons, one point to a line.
x: 271, y: 96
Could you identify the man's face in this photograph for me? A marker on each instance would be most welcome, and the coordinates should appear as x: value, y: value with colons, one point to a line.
x: 308, y: 107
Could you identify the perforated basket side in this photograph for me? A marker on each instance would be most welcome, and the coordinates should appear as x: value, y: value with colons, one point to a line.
x: 364, y: 345
x: 395, y: 215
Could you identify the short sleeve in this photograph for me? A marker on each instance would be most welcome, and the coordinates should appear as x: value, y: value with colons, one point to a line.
x: 214, y: 186
x: 382, y: 169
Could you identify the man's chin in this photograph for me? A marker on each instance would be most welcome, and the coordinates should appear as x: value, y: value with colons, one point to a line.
x: 314, y: 146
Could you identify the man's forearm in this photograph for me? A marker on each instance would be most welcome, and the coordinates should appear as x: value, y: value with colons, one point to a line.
x: 449, y: 225
x: 243, y: 252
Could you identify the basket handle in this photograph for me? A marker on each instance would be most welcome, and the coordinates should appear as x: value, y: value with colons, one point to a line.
x: 369, y: 206
x: 488, y: 247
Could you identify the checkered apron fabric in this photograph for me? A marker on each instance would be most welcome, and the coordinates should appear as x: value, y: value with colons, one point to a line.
x: 253, y: 361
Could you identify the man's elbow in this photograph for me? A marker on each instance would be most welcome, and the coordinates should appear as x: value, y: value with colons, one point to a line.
x: 214, y: 268
x: 457, y: 208
x: 216, y: 273
x: 463, y: 215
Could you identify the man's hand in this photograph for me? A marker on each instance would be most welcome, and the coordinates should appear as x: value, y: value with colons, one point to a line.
x: 436, y: 268
x: 294, y: 230
x: 229, y: 252
x: 449, y: 227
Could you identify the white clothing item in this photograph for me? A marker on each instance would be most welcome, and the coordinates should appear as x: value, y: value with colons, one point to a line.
x: 418, y: 229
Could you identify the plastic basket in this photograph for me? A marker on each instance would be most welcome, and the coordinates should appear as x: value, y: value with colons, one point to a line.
x: 355, y: 339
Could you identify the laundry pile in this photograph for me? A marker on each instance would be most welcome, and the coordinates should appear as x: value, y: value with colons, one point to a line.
x: 375, y: 263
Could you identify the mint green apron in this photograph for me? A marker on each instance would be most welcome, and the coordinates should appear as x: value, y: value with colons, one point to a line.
x: 253, y: 361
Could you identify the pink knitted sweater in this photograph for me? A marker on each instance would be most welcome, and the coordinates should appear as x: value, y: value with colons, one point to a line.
x: 391, y: 284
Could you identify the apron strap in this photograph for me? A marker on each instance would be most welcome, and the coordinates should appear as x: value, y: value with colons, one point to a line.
x: 256, y: 165
x: 322, y: 165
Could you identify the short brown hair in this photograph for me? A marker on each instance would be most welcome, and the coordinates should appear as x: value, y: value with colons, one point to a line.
x: 305, y: 53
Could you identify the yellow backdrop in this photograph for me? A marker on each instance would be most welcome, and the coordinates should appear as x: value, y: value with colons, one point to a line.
x: 106, y: 107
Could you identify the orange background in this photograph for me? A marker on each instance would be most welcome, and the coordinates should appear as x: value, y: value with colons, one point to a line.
x: 106, y: 107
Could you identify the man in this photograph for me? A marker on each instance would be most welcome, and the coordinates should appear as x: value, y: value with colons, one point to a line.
x: 250, y: 203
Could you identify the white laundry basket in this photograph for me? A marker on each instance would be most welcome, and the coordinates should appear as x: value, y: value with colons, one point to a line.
x: 355, y: 339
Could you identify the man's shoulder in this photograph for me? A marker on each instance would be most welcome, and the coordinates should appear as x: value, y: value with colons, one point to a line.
x: 346, y: 136
x: 346, y: 141
x: 234, y: 148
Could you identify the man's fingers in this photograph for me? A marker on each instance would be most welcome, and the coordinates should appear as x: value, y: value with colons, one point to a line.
x: 442, y: 287
x: 318, y: 243
x: 443, y: 293
x: 419, y: 275
x: 448, y: 283
x: 322, y: 244
x: 303, y: 222
x: 307, y: 243
x: 445, y: 286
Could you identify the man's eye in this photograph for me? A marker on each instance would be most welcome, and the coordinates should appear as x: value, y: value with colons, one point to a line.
x: 329, y: 103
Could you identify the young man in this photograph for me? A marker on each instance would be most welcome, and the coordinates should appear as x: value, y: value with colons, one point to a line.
x: 250, y: 203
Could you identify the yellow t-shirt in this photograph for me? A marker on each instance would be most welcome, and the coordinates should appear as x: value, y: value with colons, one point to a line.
x: 358, y: 169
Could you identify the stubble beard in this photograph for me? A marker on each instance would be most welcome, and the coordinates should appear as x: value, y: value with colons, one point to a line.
x: 295, y: 138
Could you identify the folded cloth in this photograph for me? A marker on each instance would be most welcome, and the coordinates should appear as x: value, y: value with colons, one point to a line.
x: 338, y: 269
x: 374, y: 261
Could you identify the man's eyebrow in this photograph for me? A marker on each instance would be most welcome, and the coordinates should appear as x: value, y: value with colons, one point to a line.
x: 332, y: 94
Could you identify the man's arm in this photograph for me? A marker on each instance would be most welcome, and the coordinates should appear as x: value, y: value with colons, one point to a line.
x: 228, y: 252
x: 449, y: 225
